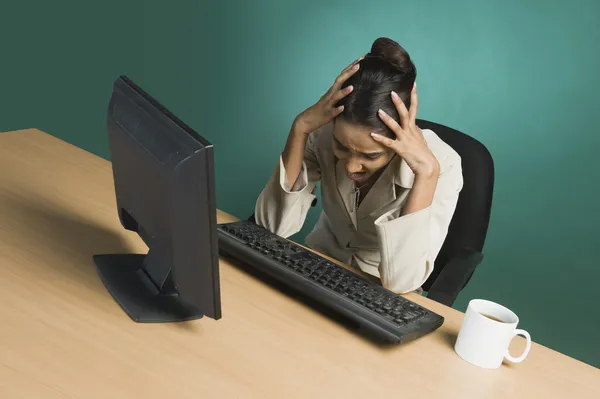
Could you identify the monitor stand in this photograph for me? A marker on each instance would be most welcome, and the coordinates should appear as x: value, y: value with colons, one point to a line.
x: 143, y: 286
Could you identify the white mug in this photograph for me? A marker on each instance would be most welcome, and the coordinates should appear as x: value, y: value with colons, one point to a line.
x: 483, y: 341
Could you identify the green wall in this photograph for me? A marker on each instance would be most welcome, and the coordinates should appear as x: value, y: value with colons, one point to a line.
x: 519, y: 76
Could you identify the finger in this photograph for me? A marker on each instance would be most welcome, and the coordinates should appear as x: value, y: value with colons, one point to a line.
x: 402, y: 111
x: 386, y: 141
x: 336, y: 111
x: 391, y: 123
x: 341, y: 94
x: 414, y: 106
x: 353, y: 63
x: 345, y: 75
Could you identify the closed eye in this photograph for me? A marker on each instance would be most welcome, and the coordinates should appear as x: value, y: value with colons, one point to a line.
x: 339, y: 145
x: 373, y: 156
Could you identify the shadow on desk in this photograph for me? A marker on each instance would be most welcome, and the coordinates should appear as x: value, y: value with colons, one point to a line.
x: 66, y: 240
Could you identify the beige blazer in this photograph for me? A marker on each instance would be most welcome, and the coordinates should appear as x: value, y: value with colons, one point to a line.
x: 399, y: 250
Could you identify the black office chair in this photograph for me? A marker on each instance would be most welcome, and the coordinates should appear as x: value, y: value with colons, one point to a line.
x: 462, y: 250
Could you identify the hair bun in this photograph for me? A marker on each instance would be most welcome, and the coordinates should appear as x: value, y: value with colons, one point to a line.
x: 390, y: 51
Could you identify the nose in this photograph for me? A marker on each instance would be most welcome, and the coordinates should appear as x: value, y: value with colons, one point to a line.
x: 353, y: 166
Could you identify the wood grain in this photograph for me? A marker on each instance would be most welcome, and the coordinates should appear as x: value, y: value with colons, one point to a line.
x: 63, y: 336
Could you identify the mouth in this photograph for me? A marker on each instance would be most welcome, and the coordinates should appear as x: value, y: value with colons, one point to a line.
x: 358, y: 177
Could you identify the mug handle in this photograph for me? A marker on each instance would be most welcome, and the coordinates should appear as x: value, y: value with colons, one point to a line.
x: 519, y: 359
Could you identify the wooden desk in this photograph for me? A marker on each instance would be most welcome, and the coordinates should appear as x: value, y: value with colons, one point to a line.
x: 63, y: 336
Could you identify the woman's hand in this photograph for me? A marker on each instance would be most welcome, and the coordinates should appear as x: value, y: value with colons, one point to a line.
x: 409, y: 144
x: 325, y: 109
x: 311, y: 119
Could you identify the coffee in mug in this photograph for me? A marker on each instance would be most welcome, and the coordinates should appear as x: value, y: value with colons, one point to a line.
x: 486, y: 333
x: 489, y: 316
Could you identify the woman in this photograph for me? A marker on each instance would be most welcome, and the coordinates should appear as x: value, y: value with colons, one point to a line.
x: 389, y: 189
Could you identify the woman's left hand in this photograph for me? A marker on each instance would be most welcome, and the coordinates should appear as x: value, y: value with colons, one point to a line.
x: 409, y: 144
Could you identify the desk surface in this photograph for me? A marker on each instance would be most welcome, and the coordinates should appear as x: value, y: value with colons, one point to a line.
x: 63, y: 336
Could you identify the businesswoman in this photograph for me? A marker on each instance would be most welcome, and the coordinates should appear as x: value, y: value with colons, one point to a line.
x: 389, y: 189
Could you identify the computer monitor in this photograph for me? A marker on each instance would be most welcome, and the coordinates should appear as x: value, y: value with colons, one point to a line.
x: 164, y: 182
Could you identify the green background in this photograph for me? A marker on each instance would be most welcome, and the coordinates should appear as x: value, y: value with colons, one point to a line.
x: 520, y: 76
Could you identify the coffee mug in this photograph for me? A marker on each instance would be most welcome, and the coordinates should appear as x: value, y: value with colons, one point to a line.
x: 486, y: 333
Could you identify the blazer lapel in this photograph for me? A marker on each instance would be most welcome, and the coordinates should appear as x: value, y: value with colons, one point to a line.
x: 397, y: 176
x: 382, y: 193
x: 345, y: 188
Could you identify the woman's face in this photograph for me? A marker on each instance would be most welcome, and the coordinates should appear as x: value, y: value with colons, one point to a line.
x: 362, y: 156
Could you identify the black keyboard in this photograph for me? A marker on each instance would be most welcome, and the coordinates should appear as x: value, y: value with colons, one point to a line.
x: 377, y: 311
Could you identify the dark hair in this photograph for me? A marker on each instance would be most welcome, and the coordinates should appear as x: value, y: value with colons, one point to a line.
x: 385, y: 68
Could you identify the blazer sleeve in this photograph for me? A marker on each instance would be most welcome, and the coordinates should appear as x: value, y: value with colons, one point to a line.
x: 409, y: 244
x: 282, y: 209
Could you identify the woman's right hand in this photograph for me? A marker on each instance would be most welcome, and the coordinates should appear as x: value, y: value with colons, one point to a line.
x: 325, y: 109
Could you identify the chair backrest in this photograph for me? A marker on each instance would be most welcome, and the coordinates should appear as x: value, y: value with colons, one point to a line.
x: 469, y: 224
